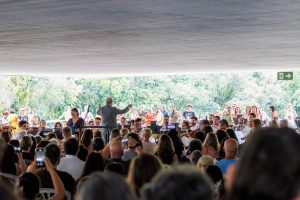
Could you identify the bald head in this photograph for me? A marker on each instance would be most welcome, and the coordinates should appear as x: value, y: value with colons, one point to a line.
x: 231, y: 148
x: 116, y: 150
x: 109, y: 101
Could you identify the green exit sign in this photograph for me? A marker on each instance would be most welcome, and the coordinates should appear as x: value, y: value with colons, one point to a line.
x: 285, y: 75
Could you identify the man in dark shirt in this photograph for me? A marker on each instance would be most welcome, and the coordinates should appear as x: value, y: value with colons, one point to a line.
x: 187, y: 115
x: 109, y: 117
x: 53, y: 154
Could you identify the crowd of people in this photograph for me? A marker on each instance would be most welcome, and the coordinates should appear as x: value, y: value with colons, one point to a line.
x: 151, y: 156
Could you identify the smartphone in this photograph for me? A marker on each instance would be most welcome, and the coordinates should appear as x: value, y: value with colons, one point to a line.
x: 40, y: 157
x: 17, y: 149
x: 171, y: 126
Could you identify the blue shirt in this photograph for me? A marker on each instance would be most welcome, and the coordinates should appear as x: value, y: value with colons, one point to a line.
x: 224, y: 164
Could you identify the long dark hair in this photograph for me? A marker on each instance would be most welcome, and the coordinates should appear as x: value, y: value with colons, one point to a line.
x: 93, y: 163
x: 269, y: 166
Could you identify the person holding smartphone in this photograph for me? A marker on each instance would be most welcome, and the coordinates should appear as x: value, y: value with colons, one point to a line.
x: 25, y: 187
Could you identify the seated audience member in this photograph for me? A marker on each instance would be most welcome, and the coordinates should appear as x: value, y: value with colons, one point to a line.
x: 231, y: 133
x: 207, y: 129
x: 52, y: 152
x: 256, y: 125
x: 6, y: 136
x: 85, y: 144
x: 142, y: 169
x: 116, y: 153
x: 23, y: 125
x: 180, y: 184
x: 221, y: 135
x: 26, y: 144
x: 38, y: 139
x: 58, y: 130
x: 216, y: 123
x: 97, y: 133
x: 204, y: 162
x: 194, y: 145
x: 261, y: 172
x: 252, y: 116
x: 215, y: 173
x: 137, y: 128
x: 202, y: 124
x: 200, y: 136
x: 12, y: 162
x: 94, y: 163
x: 115, y: 134
x: 166, y: 151
x: 283, y: 123
x: 123, y: 123
x: 211, y: 146
x: 124, y: 132
x: 105, y: 186
x: 98, y: 144
x: 116, y: 168
x: 28, y: 184
x: 133, y: 145
x: 177, y: 142
x: 273, y: 124
x: 231, y: 152
x: 195, y: 156
x: 6, y: 192
x: 224, y: 124
x: 194, y: 123
x: 70, y: 163
x: 67, y: 133
x: 148, y: 147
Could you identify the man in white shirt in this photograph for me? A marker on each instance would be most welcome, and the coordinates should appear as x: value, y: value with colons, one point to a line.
x: 70, y: 163
x: 194, y: 123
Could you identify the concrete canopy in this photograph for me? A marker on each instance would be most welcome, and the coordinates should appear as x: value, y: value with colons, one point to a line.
x: 117, y: 37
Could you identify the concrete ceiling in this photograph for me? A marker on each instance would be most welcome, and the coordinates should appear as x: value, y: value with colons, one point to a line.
x: 115, y: 37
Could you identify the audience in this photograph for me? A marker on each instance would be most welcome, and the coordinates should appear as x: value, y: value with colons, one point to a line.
x: 178, y: 184
x: 261, y: 172
x: 142, y: 169
x: 149, y: 162
x: 105, y: 186
x: 166, y: 151
x: 231, y: 152
x: 148, y: 147
x: 70, y: 163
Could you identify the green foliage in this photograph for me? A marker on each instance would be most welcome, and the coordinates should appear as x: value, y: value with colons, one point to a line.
x: 207, y: 93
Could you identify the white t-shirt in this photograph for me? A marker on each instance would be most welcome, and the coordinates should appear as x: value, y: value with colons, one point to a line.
x: 72, y: 165
x: 149, y: 147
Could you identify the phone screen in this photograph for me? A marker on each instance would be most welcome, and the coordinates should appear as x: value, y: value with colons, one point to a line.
x: 40, y: 156
x: 17, y: 149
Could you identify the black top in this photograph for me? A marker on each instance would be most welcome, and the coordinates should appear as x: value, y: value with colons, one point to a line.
x: 28, y: 157
x: 79, y: 124
x: 67, y: 180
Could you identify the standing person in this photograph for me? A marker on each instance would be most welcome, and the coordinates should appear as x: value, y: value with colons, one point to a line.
x: 159, y: 118
x: 36, y: 119
x: 109, y: 117
x: 164, y: 111
x: 175, y: 116
x: 187, y: 115
x: 247, y: 112
x: 76, y: 122
x: 150, y: 116
x: 274, y: 114
x: 290, y: 116
x: 4, y: 119
x: 143, y: 112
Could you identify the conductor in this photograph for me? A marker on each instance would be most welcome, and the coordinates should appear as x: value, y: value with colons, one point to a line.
x: 109, y: 117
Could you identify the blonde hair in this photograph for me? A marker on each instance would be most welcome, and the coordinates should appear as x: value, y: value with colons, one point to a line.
x: 147, y: 133
x: 124, y: 132
x: 212, y: 141
x: 204, y: 162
